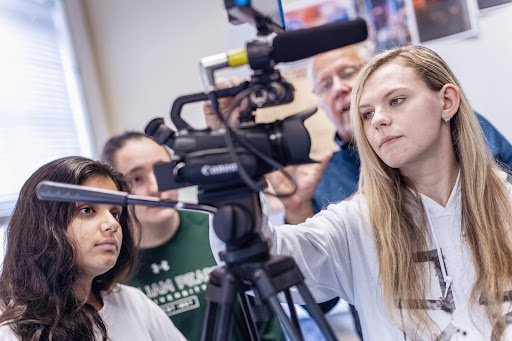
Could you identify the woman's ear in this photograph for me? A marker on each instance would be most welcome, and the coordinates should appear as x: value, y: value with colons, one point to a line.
x: 450, y: 99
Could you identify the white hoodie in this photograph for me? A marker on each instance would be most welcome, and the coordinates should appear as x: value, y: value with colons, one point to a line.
x: 336, y: 252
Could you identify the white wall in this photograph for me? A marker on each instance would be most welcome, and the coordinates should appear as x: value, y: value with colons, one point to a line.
x: 483, y: 65
x: 147, y: 53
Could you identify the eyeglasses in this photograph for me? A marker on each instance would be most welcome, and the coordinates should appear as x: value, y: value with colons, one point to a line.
x: 346, y: 75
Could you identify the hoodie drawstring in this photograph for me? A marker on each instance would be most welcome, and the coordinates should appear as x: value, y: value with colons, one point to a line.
x: 447, y: 279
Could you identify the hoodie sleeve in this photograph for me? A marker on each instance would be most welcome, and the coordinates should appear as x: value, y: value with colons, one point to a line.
x: 325, y: 248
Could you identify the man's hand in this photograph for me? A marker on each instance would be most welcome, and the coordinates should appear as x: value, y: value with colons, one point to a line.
x: 212, y: 121
x: 298, y: 206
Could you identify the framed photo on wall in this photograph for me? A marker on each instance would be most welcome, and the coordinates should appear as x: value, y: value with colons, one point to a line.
x: 437, y: 19
x: 387, y: 20
x: 485, y: 4
x: 311, y: 13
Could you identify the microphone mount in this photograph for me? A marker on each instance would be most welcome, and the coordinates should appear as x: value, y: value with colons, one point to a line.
x: 268, y: 87
x: 56, y: 191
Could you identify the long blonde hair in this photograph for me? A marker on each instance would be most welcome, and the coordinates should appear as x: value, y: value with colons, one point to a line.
x: 486, y: 208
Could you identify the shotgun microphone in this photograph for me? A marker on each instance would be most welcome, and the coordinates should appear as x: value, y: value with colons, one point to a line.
x: 304, y: 43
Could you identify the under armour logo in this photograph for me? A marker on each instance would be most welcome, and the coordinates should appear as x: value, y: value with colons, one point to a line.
x: 164, y: 266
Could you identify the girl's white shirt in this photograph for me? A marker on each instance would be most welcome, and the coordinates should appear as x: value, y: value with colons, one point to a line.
x: 128, y: 315
x: 336, y: 252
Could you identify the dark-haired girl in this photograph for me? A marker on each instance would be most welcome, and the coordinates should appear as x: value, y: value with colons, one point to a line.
x: 64, y: 262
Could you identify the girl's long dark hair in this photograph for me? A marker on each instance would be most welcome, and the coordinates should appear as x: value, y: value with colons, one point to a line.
x: 39, y: 268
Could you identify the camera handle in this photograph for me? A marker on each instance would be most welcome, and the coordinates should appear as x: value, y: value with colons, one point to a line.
x: 249, y: 266
x: 178, y: 104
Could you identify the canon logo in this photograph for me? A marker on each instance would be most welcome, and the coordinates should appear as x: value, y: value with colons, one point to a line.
x: 225, y: 168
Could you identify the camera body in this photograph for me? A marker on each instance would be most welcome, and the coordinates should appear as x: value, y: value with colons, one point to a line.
x: 202, y: 157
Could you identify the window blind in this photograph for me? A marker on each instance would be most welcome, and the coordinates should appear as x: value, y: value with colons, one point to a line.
x: 42, y: 115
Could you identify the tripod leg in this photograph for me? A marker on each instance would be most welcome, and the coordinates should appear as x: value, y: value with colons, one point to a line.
x: 220, y: 294
x: 249, y: 319
x: 225, y: 322
x: 291, y: 307
x: 263, y: 284
x: 315, y: 312
x: 209, y: 320
x: 288, y: 326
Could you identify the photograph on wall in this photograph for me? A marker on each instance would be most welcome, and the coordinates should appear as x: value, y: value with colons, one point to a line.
x: 436, y: 19
x: 485, y: 4
x: 311, y: 13
x: 387, y: 20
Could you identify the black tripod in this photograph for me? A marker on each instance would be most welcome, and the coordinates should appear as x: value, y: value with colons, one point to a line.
x: 249, y: 265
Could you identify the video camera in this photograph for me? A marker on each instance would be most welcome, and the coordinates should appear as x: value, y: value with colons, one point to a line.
x: 240, y: 156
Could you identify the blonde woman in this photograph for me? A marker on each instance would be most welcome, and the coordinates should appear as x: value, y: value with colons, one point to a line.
x: 423, y: 249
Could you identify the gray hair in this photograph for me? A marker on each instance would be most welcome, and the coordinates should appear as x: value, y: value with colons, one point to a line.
x: 365, y: 49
